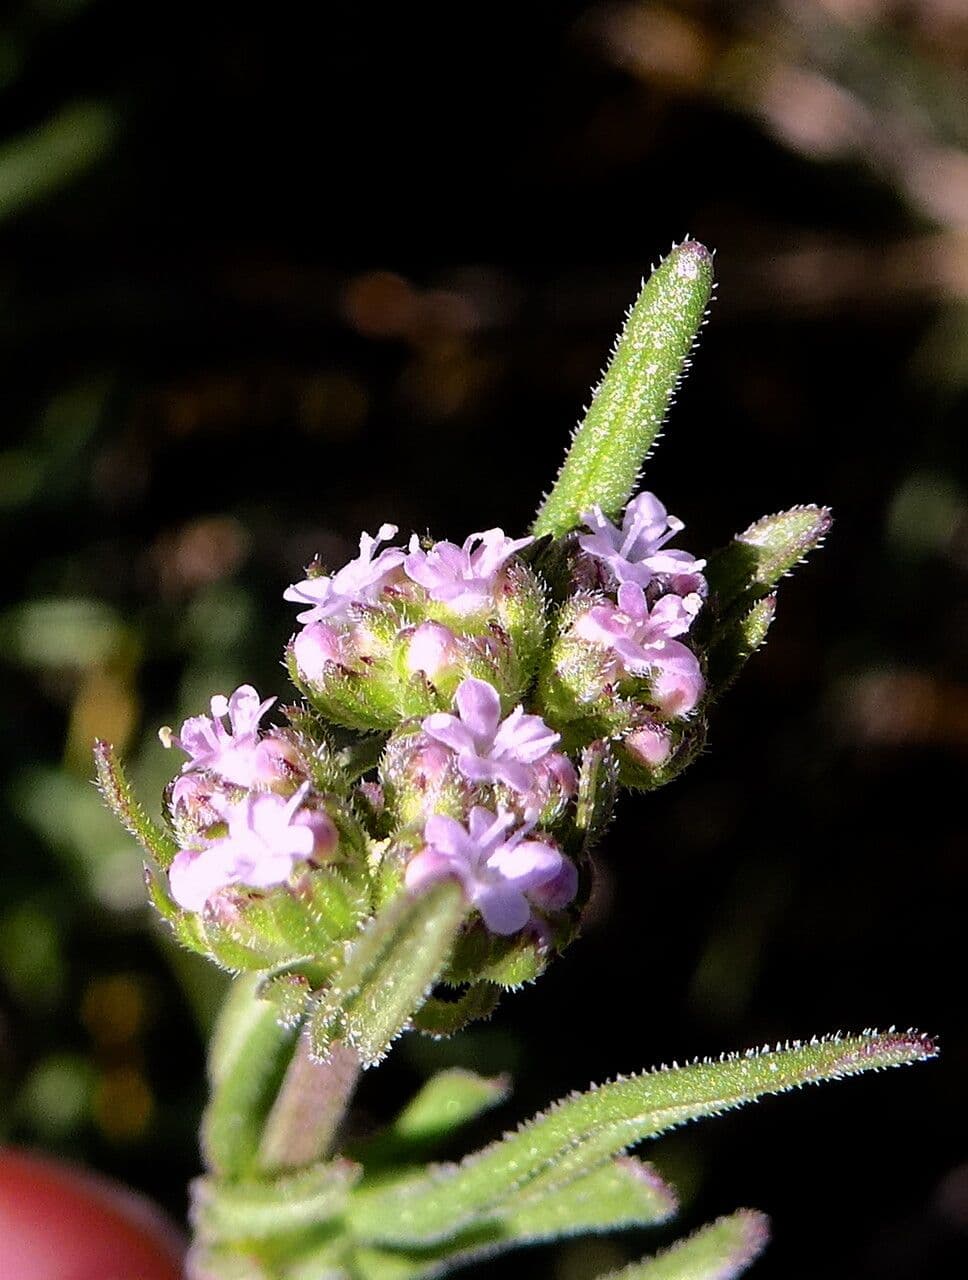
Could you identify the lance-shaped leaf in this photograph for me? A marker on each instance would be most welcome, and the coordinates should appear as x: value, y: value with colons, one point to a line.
x: 114, y: 786
x: 721, y: 1251
x: 248, y: 1059
x: 441, y: 1018
x: 581, y: 1132
x: 259, y: 1210
x: 629, y: 405
x: 622, y: 1194
x: 388, y: 972
x: 736, y: 644
x: 446, y: 1102
x: 757, y: 559
x: 310, y: 1107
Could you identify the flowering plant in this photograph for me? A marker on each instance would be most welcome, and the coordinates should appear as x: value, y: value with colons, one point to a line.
x: 420, y: 836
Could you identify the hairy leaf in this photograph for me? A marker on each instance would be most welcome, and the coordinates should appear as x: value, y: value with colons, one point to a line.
x: 257, y: 1210
x: 720, y: 1251
x: 581, y: 1132
x: 388, y: 972
x: 756, y: 560
x: 629, y: 405
x: 116, y: 789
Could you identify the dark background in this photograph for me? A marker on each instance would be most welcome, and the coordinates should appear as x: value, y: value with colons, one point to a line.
x: 264, y: 283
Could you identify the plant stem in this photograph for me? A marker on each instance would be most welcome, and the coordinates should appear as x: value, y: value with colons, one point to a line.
x: 309, y: 1108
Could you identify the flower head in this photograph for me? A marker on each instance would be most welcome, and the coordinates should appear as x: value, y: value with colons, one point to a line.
x: 490, y: 749
x: 642, y: 642
x: 497, y: 868
x: 236, y: 754
x: 637, y: 552
x: 267, y: 835
x: 360, y: 582
x: 465, y: 577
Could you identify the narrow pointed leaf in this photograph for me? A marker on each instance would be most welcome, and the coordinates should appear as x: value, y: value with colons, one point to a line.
x: 619, y: 1195
x: 388, y: 972
x: 258, y: 1210
x: 447, y: 1101
x: 581, y: 1132
x: 114, y: 786
x: 248, y: 1059
x: 629, y: 405
x: 441, y: 1018
x: 721, y: 1251
x: 757, y: 559
x: 737, y: 643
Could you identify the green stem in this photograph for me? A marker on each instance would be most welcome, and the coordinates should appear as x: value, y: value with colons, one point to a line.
x: 309, y: 1109
x: 629, y: 406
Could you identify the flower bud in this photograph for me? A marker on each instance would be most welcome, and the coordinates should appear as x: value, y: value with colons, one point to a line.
x: 420, y: 777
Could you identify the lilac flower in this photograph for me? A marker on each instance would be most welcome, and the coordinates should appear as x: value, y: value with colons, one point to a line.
x: 236, y: 754
x: 335, y: 596
x: 497, y: 870
x: 636, y: 552
x: 465, y: 578
x: 267, y: 835
x: 642, y: 643
x: 490, y: 749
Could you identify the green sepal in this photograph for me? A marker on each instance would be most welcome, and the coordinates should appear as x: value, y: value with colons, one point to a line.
x: 736, y: 643
x: 440, y: 1018
x: 505, y: 961
x: 388, y: 971
x: 258, y: 1210
x: 114, y: 786
x: 581, y: 1132
x: 758, y: 558
x: 721, y: 1251
x: 248, y: 1058
x: 597, y: 793
x: 629, y: 405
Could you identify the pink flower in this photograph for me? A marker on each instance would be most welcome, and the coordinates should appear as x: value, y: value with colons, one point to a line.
x: 465, y: 578
x: 635, y: 553
x: 359, y: 582
x: 236, y: 754
x: 642, y: 643
x: 315, y: 648
x: 490, y: 749
x: 497, y: 870
x: 267, y: 836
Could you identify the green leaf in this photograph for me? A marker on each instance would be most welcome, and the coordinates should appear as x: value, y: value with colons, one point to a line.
x: 258, y: 1210
x: 116, y: 789
x: 720, y: 1251
x: 623, y: 1194
x: 388, y: 972
x: 248, y: 1059
x: 736, y: 644
x: 757, y: 559
x: 442, y: 1018
x: 582, y: 1132
x: 446, y: 1101
x: 629, y: 406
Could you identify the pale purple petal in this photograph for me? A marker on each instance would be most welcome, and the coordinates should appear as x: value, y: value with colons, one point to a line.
x: 525, y: 864
x: 524, y: 738
x: 677, y: 682
x: 359, y: 582
x: 432, y: 648
x: 505, y: 910
x: 315, y: 648
x: 479, y: 706
x: 195, y: 874
x: 556, y: 893
x: 466, y: 577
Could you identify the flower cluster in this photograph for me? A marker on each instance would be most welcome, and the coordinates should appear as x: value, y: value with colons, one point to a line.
x: 619, y: 665
x: 238, y: 808
x: 440, y: 646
